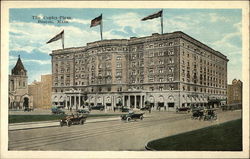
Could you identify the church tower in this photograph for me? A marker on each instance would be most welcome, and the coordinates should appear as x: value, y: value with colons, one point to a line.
x: 18, y: 87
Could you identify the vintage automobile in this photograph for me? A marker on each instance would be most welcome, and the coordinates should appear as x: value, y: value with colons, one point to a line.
x: 197, y: 114
x: 98, y: 107
x: 83, y: 111
x: 183, y: 109
x: 209, y: 114
x: 56, y: 110
x: 73, y: 119
x: 132, y: 116
x: 145, y: 108
x: 125, y: 109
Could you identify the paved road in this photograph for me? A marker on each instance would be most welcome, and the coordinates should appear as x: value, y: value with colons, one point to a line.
x: 113, y: 135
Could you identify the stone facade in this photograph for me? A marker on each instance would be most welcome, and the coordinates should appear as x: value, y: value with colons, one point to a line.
x: 170, y: 70
x: 234, y: 92
x: 41, y: 92
x: 19, y: 98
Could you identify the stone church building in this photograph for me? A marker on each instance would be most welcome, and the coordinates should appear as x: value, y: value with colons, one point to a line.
x: 19, y: 97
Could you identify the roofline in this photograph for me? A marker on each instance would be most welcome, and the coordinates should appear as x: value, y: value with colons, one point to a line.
x: 202, y: 45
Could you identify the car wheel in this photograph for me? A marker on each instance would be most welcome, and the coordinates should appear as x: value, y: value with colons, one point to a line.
x: 81, y: 121
x: 69, y: 123
x: 141, y: 117
x: 128, y: 119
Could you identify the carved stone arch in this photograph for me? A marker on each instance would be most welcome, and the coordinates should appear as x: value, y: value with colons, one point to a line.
x: 108, y: 99
x: 161, y: 99
x: 151, y: 99
x: 99, y: 99
x: 171, y: 99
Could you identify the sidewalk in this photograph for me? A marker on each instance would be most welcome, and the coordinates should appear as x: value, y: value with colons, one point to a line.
x: 41, y: 124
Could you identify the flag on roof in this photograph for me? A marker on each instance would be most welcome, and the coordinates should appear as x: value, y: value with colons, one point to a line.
x: 96, y: 21
x: 152, y: 16
x: 57, y: 37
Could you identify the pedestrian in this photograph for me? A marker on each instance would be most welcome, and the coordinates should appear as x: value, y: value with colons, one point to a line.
x: 70, y: 109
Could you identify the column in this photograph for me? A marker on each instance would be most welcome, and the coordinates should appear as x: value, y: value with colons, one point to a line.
x: 123, y: 98
x: 75, y: 101
x: 105, y: 105
x: 66, y: 102
x: 70, y: 105
x: 135, y: 102
x: 113, y: 103
x: 128, y: 101
x: 79, y: 100
x: 140, y: 101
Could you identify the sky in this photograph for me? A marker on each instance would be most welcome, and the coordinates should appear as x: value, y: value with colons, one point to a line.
x: 219, y: 29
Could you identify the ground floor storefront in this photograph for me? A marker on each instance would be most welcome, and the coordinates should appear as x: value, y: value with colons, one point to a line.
x: 169, y: 100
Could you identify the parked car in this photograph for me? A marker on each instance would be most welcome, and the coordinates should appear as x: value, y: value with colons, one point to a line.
x: 183, y: 109
x: 73, y: 119
x: 57, y: 111
x: 132, y: 116
x: 26, y: 109
x: 197, y: 114
x: 98, y: 107
x: 125, y: 109
x: 145, y: 108
x: 83, y: 111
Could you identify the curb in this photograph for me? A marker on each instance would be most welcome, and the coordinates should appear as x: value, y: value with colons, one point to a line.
x: 148, y: 148
x: 55, y: 122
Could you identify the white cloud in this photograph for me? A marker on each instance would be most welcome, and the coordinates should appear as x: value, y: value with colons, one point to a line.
x: 133, y: 20
x: 80, y: 21
x: 214, y: 17
x: 41, y: 62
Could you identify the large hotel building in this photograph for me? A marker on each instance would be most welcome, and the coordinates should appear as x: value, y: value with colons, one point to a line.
x: 169, y: 70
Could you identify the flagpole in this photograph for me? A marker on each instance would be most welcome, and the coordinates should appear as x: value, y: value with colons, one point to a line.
x: 162, y: 23
x: 101, y: 29
x: 63, y: 40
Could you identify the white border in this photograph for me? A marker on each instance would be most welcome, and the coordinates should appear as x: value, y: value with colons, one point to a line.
x: 244, y: 5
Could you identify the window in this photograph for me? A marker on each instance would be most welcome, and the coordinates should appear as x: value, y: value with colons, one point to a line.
x: 171, y: 60
x: 118, y: 73
x: 118, y: 58
x: 161, y: 62
x: 160, y: 88
x: 151, y: 54
x: 151, y: 70
x: 161, y: 79
x: 133, y: 64
x: 161, y: 53
x: 170, y: 52
x: 171, y: 43
x: 118, y: 65
x: 109, y: 73
x: 161, y: 71
x: 151, y: 79
x: 118, y: 79
x: 171, y: 69
x: 170, y: 78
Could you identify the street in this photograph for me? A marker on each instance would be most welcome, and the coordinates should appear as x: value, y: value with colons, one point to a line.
x: 115, y: 135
